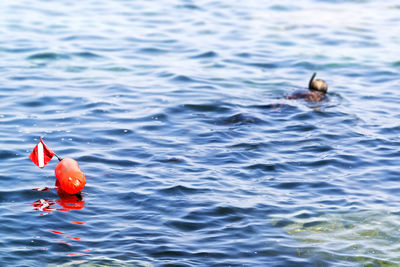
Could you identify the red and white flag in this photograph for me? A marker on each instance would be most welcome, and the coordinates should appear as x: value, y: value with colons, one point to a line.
x: 41, y: 154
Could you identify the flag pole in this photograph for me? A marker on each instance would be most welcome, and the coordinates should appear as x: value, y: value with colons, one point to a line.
x: 58, y: 157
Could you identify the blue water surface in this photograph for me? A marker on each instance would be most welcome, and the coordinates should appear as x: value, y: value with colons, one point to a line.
x: 176, y: 113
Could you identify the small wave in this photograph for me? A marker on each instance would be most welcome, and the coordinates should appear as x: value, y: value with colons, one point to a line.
x: 390, y: 130
x: 224, y: 213
x: 254, y: 64
x: 190, y: 6
x: 115, y: 132
x: 36, y: 78
x: 181, y: 190
x: 83, y: 38
x: 76, y: 69
x: 187, y: 226
x: 114, y: 162
x: 210, y: 54
x: 250, y: 146
x: 165, y: 252
x: 152, y: 51
x: 12, y: 195
x: 98, y: 105
x: 48, y: 56
x: 172, y: 160
x: 207, y: 107
x: 289, y: 185
x: 103, y: 261
x: 277, y: 108
x: 263, y: 167
x: 52, y: 56
x: 396, y: 64
x: 239, y: 119
x: 117, y: 69
x: 281, y: 8
x: 182, y: 79
x: 301, y: 127
x: 88, y: 55
x: 19, y: 50
x: 33, y: 103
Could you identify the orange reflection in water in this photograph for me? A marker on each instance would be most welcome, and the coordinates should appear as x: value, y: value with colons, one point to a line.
x: 70, y: 202
x: 58, y: 232
x: 79, y: 222
x: 76, y: 254
x: 67, y: 202
x: 74, y: 238
x: 62, y: 233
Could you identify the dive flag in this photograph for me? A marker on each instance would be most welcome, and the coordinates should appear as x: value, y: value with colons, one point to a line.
x: 41, y: 154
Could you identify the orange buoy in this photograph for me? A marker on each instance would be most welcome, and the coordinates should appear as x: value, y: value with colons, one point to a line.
x: 69, y: 177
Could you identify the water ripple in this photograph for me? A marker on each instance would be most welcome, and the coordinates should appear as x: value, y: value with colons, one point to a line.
x: 176, y: 113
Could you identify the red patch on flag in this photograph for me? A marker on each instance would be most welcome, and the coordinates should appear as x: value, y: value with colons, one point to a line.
x: 41, y: 154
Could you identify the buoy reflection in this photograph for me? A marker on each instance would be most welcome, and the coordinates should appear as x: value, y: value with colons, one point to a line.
x: 66, y: 201
x: 70, y: 202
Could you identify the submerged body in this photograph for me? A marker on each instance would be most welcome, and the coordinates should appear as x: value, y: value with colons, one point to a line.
x: 316, y: 91
x: 308, y: 96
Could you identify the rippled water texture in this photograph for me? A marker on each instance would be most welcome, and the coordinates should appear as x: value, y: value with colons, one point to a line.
x: 176, y: 113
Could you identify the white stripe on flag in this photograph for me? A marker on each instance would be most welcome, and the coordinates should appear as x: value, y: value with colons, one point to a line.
x: 40, y: 155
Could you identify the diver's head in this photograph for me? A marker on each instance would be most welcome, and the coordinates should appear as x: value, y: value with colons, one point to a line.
x: 317, y: 85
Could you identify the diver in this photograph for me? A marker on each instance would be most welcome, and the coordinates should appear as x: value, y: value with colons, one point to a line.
x: 316, y: 91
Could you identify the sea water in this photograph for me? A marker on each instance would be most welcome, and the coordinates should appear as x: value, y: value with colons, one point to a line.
x: 176, y: 113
